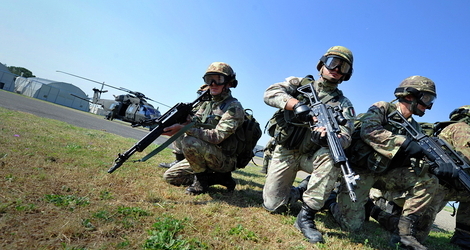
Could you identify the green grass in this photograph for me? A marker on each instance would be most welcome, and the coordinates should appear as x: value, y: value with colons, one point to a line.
x: 57, y: 194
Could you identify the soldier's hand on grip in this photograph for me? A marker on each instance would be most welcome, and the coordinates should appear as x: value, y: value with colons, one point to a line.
x: 412, y: 149
x: 302, y: 112
x: 445, y: 170
x: 319, y: 138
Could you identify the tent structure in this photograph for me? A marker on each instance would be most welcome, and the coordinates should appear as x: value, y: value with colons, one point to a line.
x: 61, y: 93
x: 7, y: 79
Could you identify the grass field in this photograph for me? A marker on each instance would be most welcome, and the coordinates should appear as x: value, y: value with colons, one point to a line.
x: 57, y: 194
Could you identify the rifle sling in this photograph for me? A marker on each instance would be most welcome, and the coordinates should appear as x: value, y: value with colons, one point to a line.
x: 167, y: 142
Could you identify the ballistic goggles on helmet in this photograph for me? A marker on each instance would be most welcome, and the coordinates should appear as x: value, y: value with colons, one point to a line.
x: 218, y: 79
x: 426, y: 99
x: 333, y: 62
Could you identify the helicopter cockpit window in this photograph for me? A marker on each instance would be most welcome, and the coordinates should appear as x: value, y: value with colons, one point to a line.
x: 148, y: 112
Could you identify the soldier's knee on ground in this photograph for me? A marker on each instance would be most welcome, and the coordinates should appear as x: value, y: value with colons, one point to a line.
x: 278, y: 210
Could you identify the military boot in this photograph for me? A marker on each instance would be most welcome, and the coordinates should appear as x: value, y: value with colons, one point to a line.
x: 385, y: 219
x: 200, y: 184
x: 224, y: 179
x: 297, y: 192
x: 306, y: 224
x: 405, y: 233
x: 179, y: 157
x: 461, y: 236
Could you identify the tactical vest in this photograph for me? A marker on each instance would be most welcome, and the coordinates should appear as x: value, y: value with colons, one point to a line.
x: 291, y: 133
x: 229, y: 145
x: 364, y: 156
x: 241, y: 143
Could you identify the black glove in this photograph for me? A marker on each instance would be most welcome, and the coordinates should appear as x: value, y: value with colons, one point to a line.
x: 445, y: 170
x: 302, y: 112
x: 318, y: 139
x: 412, y: 149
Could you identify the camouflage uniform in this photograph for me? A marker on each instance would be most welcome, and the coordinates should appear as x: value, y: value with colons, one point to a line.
x: 180, y: 174
x: 380, y: 143
x: 177, y: 151
x: 268, y: 154
x: 308, y: 157
x: 201, y: 146
x: 458, y: 136
x: 210, y: 146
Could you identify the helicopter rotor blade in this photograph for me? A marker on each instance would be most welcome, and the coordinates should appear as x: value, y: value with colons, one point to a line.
x: 138, y: 94
x: 160, y: 103
x: 88, y: 79
x: 125, y: 90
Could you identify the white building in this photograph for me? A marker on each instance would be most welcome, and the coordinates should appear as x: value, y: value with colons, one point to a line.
x: 61, y: 93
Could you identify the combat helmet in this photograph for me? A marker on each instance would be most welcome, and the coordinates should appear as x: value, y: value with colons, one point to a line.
x: 461, y: 114
x: 342, y: 53
x: 224, y: 70
x: 422, y: 88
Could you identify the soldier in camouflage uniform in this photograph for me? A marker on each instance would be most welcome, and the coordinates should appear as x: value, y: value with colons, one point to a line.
x: 209, y: 147
x: 177, y: 143
x: 385, y: 158
x: 457, y: 134
x: 298, y: 148
x: 268, y: 154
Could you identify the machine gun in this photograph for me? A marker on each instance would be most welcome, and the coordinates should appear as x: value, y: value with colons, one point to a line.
x: 177, y: 114
x: 329, y: 117
x: 437, y: 149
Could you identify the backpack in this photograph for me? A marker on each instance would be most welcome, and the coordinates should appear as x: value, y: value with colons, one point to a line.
x: 252, y: 132
x: 247, y: 136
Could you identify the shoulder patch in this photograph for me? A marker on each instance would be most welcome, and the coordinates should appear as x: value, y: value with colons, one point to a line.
x: 351, y: 112
x: 294, y: 81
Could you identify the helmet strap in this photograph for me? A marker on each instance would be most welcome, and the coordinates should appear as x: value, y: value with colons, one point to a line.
x: 328, y: 79
x: 413, y: 107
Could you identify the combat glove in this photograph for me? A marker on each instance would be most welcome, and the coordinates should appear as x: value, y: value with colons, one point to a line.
x: 412, y: 149
x: 444, y: 170
x: 318, y: 139
x: 302, y: 112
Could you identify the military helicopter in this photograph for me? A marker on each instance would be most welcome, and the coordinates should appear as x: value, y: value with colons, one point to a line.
x: 132, y: 107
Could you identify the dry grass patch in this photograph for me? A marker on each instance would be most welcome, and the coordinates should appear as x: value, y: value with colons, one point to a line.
x: 57, y: 194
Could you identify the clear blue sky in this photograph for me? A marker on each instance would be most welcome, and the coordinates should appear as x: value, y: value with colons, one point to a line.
x: 162, y: 48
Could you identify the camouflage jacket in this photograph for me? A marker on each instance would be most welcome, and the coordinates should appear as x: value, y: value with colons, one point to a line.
x: 226, y: 119
x: 278, y: 94
x: 458, y: 136
x: 379, y: 140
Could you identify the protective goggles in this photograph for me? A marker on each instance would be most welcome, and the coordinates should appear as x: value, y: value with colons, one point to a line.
x: 218, y: 79
x: 332, y: 62
x: 427, y: 100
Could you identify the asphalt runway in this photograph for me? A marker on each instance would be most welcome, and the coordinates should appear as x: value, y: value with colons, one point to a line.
x: 13, y: 101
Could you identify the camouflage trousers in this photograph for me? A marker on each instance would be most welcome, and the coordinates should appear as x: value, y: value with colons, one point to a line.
x: 203, y: 156
x: 420, y: 191
x: 181, y: 174
x: 282, y: 170
x: 440, y: 199
x: 177, y: 145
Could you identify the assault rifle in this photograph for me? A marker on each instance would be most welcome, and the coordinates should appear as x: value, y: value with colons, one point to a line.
x: 329, y: 117
x: 437, y: 149
x: 177, y: 114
